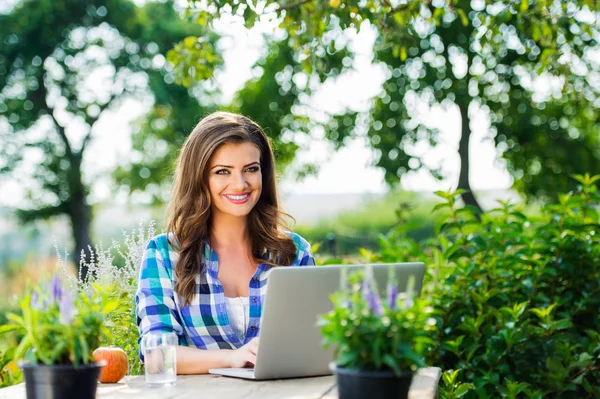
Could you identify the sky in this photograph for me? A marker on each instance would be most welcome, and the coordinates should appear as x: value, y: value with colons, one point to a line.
x: 348, y: 170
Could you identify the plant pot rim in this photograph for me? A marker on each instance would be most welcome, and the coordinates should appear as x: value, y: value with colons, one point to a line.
x: 91, y: 365
x: 368, y: 373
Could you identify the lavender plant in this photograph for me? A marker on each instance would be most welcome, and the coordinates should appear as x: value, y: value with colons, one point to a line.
x: 375, y: 334
x: 60, y: 325
x: 116, y: 269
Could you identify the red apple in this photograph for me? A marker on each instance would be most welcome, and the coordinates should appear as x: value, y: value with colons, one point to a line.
x: 116, y: 363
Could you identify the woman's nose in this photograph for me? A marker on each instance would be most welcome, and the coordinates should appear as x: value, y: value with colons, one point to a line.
x: 239, y: 181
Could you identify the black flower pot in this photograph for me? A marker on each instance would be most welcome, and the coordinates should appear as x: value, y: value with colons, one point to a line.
x: 359, y: 384
x: 61, y: 381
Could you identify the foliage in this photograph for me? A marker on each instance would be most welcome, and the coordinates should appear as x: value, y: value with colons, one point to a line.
x: 374, y: 334
x: 60, y: 326
x: 64, y: 66
x: 516, y: 297
x: 158, y: 137
x: 469, y: 57
x: 10, y: 374
x: 112, y: 276
x: 120, y: 282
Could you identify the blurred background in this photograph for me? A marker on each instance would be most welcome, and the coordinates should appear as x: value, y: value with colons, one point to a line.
x: 368, y: 119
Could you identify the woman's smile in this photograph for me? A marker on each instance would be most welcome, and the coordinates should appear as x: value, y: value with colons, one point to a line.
x: 239, y: 198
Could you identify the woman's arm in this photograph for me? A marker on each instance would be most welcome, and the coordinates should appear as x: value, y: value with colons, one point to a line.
x: 198, y: 361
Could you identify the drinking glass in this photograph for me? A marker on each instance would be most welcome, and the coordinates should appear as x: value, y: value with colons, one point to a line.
x: 160, y: 361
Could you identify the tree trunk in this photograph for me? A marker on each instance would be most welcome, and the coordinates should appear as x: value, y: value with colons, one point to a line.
x: 463, y: 151
x: 80, y: 214
x: 80, y: 222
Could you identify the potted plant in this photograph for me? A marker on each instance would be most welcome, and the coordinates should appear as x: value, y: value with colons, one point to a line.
x: 378, y: 344
x: 60, y: 329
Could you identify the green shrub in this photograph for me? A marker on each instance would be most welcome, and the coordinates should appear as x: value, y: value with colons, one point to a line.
x: 517, y: 296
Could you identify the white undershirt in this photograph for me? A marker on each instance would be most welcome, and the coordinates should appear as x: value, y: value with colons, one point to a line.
x: 238, y: 311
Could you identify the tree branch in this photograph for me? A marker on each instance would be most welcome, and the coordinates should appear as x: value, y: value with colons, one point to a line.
x: 29, y: 215
x: 293, y: 5
x: 62, y: 134
x: 93, y: 121
x: 39, y: 98
x: 394, y: 9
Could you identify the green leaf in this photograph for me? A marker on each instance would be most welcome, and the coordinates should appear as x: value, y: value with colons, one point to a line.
x: 9, y: 328
x: 16, y: 319
x: 462, y: 390
x: 441, y: 206
x: 561, y: 324
x: 403, y: 55
x: 85, y: 350
x: 23, y: 347
x: 443, y: 194
x: 391, y: 362
x: 463, y: 17
x: 449, y: 376
x: 554, y: 364
x: 524, y: 5
x: 110, y: 306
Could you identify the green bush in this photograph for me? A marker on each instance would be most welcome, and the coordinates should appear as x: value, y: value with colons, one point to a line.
x: 517, y: 296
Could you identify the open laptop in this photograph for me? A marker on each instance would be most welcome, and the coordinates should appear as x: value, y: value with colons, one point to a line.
x: 290, y: 342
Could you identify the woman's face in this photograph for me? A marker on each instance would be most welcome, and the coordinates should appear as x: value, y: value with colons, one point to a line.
x: 235, y: 179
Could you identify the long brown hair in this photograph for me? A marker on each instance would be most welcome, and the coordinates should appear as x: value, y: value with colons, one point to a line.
x: 190, y: 208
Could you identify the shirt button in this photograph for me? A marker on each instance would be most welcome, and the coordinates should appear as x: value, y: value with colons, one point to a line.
x: 253, y: 328
x: 253, y: 299
x: 255, y: 279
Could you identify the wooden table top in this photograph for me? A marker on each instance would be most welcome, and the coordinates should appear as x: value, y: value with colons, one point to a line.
x: 424, y: 386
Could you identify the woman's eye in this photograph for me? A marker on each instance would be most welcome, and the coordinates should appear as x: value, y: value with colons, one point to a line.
x: 253, y: 169
x: 222, y: 172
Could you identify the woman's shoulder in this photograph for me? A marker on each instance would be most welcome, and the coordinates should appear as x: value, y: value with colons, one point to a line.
x: 160, y: 251
x: 160, y: 241
x: 163, y: 243
x: 304, y: 256
x: 300, y: 242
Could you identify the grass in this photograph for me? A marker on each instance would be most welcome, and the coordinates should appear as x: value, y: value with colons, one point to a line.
x: 350, y: 230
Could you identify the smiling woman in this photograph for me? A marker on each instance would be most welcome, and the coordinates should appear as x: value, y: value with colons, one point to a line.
x: 205, y: 279
x: 237, y: 184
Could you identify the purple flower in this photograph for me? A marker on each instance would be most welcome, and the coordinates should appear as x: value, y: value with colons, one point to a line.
x: 371, y: 297
x: 66, y: 308
x: 35, y: 301
x: 56, y: 289
x: 409, y: 302
x: 392, y: 295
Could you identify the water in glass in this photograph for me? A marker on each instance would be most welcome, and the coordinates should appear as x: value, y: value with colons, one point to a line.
x: 160, y: 360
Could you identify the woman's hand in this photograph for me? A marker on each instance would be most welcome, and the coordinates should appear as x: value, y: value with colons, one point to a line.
x: 244, y: 356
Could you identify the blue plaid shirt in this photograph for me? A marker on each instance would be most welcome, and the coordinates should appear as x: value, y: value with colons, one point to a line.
x: 204, y: 322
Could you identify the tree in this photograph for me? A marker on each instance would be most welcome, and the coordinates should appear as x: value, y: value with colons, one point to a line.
x: 464, y: 55
x: 268, y: 99
x: 63, y: 65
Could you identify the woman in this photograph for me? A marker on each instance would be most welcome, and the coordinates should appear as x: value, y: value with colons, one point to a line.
x: 206, y: 279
